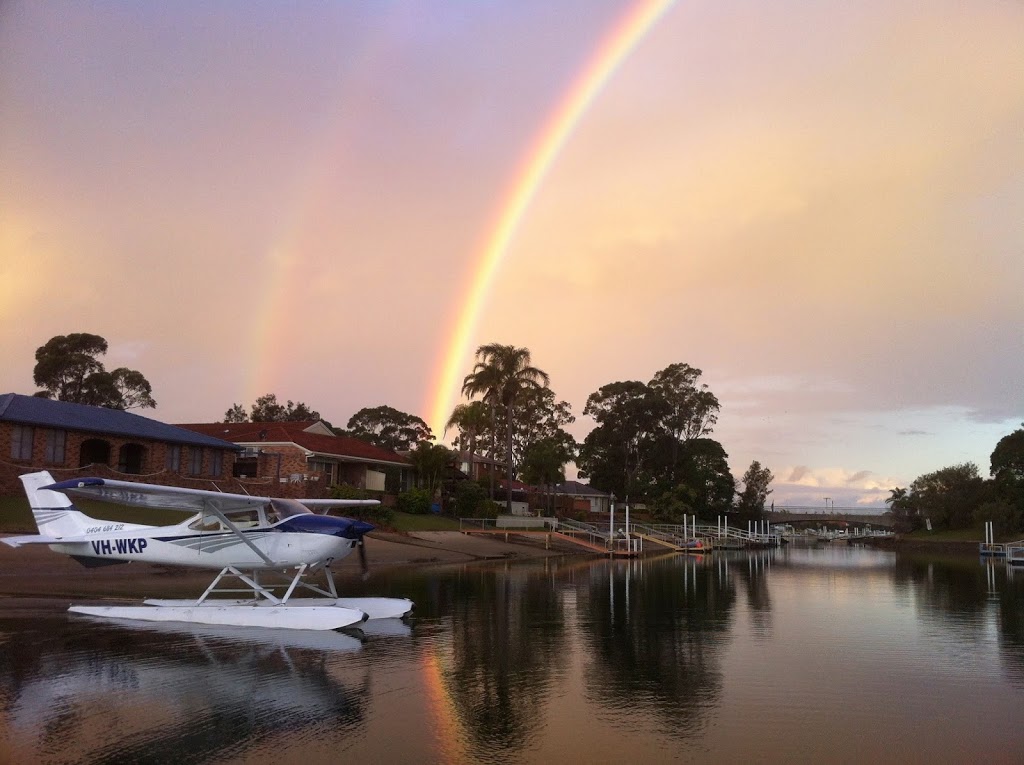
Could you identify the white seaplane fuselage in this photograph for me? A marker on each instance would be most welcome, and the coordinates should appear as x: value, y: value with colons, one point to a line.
x: 183, y: 545
x: 237, y: 534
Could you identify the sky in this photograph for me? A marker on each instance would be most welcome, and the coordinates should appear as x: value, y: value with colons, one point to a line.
x: 819, y: 204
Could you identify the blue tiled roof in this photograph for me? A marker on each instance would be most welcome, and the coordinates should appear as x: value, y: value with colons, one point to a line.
x: 42, y: 412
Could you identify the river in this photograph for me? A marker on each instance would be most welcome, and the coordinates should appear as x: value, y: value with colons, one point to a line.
x: 803, y: 654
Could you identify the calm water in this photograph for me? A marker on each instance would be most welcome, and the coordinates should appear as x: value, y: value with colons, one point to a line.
x: 799, y: 655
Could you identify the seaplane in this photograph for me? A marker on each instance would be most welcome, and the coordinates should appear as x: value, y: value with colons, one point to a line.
x: 247, y: 539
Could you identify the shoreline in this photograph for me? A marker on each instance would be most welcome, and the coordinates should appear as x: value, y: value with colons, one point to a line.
x: 943, y: 546
x: 35, y: 571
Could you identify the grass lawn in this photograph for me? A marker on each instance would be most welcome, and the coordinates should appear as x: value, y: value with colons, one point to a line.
x: 410, y: 522
x: 15, y: 516
x: 973, y: 534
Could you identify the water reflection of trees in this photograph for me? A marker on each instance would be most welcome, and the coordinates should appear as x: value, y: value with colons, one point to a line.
x: 962, y: 594
x: 655, y: 630
x: 752, y: 568
x: 86, y: 692
x: 507, y: 637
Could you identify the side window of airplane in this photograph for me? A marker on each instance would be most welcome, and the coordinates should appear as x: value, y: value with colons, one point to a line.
x: 206, y: 523
x: 244, y: 519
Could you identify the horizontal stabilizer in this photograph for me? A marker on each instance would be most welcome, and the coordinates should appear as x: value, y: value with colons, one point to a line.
x: 30, y: 539
x: 39, y: 539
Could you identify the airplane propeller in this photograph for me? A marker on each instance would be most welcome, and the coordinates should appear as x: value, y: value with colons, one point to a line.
x: 362, y: 558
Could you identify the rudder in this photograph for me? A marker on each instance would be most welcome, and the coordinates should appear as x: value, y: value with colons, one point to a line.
x: 55, y: 514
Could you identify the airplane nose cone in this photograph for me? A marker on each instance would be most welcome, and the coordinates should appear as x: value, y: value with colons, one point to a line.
x: 362, y: 527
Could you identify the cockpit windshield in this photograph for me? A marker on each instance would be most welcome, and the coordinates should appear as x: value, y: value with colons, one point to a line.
x: 279, y: 509
x: 274, y: 511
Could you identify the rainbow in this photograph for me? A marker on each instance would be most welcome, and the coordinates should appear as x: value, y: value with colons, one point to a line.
x: 624, y: 37
x: 446, y: 724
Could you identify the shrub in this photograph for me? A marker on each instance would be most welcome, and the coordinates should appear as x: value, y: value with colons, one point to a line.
x: 375, y: 514
x: 414, y: 501
x: 1006, y: 519
x: 470, y: 499
x: 347, y: 491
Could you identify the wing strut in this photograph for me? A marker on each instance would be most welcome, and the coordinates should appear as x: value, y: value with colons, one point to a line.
x: 237, y: 531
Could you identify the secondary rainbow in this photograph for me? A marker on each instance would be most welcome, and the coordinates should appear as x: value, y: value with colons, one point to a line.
x: 624, y: 37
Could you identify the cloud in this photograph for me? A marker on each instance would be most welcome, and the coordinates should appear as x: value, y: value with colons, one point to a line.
x: 843, y: 487
x: 859, y: 477
x: 797, y: 473
x: 126, y: 351
x: 875, y: 499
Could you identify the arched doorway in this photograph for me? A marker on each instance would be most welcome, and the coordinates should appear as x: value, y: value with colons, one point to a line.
x: 94, y: 451
x: 131, y: 458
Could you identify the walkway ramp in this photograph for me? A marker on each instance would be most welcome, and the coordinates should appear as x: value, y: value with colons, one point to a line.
x: 577, y: 533
x: 648, y: 534
x: 588, y: 543
x: 663, y: 542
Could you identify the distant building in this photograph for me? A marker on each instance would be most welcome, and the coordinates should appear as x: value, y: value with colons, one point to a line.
x: 479, y: 467
x: 309, y: 457
x: 74, y: 439
x: 583, y: 496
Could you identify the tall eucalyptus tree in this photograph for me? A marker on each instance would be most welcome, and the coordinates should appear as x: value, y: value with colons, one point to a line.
x: 690, y: 411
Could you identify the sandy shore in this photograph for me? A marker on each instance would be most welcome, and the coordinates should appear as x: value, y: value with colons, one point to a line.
x: 36, y: 571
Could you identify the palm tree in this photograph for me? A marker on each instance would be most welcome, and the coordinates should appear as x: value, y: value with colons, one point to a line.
x: 904, y: 515
x: 897, y: 497
x: 485, y: 383
x: 471, y: 421
x: 501, y: 374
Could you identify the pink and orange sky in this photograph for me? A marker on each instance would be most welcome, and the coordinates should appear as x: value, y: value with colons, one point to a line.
x: 820, y: 204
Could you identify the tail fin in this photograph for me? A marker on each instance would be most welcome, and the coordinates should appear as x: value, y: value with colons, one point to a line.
x: 55, y: 514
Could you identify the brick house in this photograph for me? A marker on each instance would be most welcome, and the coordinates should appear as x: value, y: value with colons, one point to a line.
x: 583, y: 497
x: 308, y: 457
x: 74, y: 439
x: 479, y: 466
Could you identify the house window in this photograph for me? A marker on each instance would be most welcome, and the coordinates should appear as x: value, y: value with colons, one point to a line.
x: 322, y: 466
x: 174, y: 458
x: 195, y: 460
x: 55, y: 443
x: 216, y: 463
x: 94, y: 451
x: 21, y: 442
x: 131, y: 458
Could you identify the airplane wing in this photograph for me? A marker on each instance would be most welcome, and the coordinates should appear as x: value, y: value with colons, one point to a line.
x: 321, y: 506
x: 156, y: 496
x: 179, y: 498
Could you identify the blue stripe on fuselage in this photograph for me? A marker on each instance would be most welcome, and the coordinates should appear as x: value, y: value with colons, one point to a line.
x: 326, y: 524
x: 349, y: 528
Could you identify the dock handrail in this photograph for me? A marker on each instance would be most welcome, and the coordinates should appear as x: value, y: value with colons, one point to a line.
x: 705, y: 531
x: 594, y: 534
